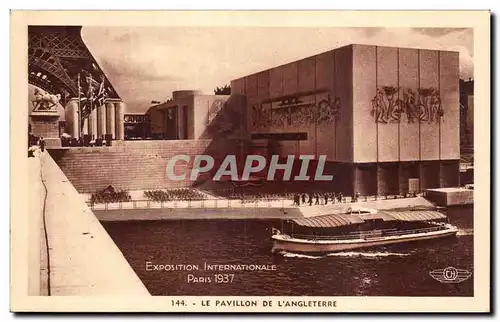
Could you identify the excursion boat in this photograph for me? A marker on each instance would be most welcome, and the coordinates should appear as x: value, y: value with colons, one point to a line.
x: 360, y: 228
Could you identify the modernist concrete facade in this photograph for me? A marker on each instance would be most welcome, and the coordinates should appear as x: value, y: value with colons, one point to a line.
x: 467, y: 113
x: 191, y: 115
x: 387, y: 119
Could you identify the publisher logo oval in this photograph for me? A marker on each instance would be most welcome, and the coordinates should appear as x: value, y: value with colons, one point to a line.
x: 450, y: 275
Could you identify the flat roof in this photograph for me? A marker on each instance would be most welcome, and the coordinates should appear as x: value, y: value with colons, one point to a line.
x: 454, y: 189
x: 337, y: 48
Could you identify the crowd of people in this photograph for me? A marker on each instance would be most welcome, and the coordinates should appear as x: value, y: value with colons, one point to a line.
x: 317, y: 198
x: 321, y: 198
x: 249, y: 196
x: 174, y: 194
x: 74, y: 142
x: 109, y: 196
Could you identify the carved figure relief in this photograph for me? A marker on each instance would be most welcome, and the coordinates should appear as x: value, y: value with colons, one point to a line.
x: 386, y: 106
x: 430, y: 105
x: 390, y: 103
x: 293, y: 111
x: 410, y: 105
x: 261, y: 116
x: 328, y: 110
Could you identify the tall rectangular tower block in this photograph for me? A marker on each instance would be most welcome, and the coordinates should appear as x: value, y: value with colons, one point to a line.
x: 385, y: 118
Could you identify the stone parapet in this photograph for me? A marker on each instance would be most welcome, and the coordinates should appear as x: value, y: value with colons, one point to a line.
x: 82, y: 258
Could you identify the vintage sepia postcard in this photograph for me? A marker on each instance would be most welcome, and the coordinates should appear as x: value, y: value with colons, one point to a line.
x: 250, y: 161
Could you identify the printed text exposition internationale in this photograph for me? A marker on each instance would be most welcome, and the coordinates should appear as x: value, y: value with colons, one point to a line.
x: 150, y: 266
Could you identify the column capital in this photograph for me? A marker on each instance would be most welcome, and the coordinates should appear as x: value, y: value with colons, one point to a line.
x: 113, y: 100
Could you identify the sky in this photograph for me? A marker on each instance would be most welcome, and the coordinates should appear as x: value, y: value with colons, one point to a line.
x: 146, y: 64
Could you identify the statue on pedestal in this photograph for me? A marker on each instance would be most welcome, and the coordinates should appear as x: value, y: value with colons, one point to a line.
x: 45, y: 102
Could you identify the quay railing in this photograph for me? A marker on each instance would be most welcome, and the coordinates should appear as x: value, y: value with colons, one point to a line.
x: 272, y: 202
x: 183, y: 204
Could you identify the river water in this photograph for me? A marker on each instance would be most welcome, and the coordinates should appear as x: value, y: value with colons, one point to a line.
x: 398, y: 270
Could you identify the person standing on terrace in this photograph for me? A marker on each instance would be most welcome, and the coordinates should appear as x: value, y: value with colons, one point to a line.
x: 41, y: 143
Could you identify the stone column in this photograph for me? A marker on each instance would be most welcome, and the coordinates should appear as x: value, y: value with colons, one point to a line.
x: 110, y: 119
x: 101, y: 121
x: 72, y: 118
x: 93, y: 124
x: 85, y: 129
x: 119, y: 120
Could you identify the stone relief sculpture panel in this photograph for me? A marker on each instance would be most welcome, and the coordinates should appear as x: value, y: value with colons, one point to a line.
x: 294, y: 111
x: 261, y: 117
x: 328, y: 110
x: 423, y: 105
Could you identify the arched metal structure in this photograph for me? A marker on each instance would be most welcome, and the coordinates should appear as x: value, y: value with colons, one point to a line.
x: 56, y: 55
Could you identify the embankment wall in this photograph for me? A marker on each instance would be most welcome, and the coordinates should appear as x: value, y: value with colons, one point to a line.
x: 82, y: 258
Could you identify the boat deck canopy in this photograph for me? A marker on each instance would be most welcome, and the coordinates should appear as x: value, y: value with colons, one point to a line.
x: 416, y: 215
x: 328, y: 221
x: 339, y: 220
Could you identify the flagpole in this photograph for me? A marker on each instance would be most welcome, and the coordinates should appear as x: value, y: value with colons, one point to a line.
x: 91, y: 98
x: 79, y: 110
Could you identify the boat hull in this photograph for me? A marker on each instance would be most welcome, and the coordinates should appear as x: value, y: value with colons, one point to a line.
x: 309, y: 246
